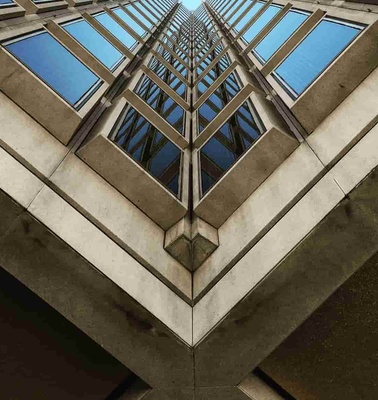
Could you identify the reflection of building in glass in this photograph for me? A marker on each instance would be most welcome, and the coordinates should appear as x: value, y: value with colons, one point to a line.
x: 188, y: 200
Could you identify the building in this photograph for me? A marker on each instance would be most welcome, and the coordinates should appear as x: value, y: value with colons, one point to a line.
x: 188, y: 200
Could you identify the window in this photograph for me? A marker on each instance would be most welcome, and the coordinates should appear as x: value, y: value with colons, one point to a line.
x: 313, y: 55
x: 251, y: 13
x: 217, y: 101
x: 6, y: 3
x: 116, y: 30
x: 260, y: 23
x: 226, y: 146
x: 129, y: 21
x: 56, y: 66
x: 161, y: 103
x: 151, y: 149
x: 239, y: 12
x: 138, y: 15
x: 279, y: 34
x: 95, y: 43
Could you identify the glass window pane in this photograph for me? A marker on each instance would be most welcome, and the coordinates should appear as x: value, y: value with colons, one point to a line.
x: 152, y: 150
x: 129, y: 21
x: 55, y: 65
x: 161, y: 103
x: 227, y: 145
x: 251, y: 13
x: 95, y: 43
x: 312, y: 56
x: 260, y: 23
x: 115, y: 29
x: 279, y: 34
x: 138, y: 15
x: 238, y: 13
x: 6, y: 2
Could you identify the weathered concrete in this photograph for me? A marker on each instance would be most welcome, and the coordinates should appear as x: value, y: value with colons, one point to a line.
x: 28, y: 141
x: 294, y: 289
x: 91, y: 301
x: 270, y: 201
x: 348, y: 122
x: 113, y: 261
x: 116, y: 216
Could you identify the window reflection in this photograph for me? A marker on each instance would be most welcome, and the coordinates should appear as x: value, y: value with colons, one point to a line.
x: 56, y: 66
x: 217, y: 101
x: 260, y: 23
x: 6, y: 3
x: 168, y: 77
x: 280, y: 34
x: 312, y: 56
x: 95, y: 43
x: 161, y: 103
x: 129, y: 21
x: 151, y: 149
x: 116, y: 30
x: 226, y: 146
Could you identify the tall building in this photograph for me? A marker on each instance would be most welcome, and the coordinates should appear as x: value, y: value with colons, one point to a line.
x: 188, y: 200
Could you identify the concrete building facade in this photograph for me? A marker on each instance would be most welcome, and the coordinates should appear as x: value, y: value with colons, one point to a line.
x: 188, y: 200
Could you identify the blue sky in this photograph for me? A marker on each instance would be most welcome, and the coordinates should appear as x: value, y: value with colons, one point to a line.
x: 191, y: 4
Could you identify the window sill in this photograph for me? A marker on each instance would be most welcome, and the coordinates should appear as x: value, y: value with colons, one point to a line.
x: 243, y: 178
x: 35, y: 8
x: 38, y: 99
x: 12, y: 12
x: 129, y: 178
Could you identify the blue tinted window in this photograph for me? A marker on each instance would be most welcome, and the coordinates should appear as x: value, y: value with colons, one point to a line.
x: 129, y: 21
x: 115, y: 29
x: 227, y: 145
x: 251, y: 13
x: 6, y: 2
x: 95, y: 43
x: 279, y: 34
x: 161, y: 103
x: 55, y: 65
x: 138, y: 15
x: 312, y: 56
x: 151, y: 149
x: 260, y: 23
x: 238, y: 13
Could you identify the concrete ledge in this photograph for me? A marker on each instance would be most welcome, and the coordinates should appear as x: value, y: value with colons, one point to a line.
x: 87, y: 298
x: 28, y: 141
x: 253, y: 219
x: 39, y: 100
x: 348, y: 123
x: 35, y: 8
x: 308, y: 273
x: 12, y: 12
x: 245, y: 176
x: 117, y: 217
x: 343, y: 76
x: 121, y: 171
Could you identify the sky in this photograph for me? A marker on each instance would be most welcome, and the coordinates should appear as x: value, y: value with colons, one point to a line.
x: 191, y: 4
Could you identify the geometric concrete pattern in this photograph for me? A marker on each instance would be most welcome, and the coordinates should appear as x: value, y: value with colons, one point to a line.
x: 261, y: 287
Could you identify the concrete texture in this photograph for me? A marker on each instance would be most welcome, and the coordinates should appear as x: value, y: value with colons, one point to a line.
x: 334, y: 354
x: 101, y: 309
x: 27, y: 140
x: 253, y: 167
x: 263, y: 258
x: 246, y: 226
x: 51, y: 356
x: 111, y: 212
x: 112, y: 261
x: 347, y: 123
x: 296, y: 287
